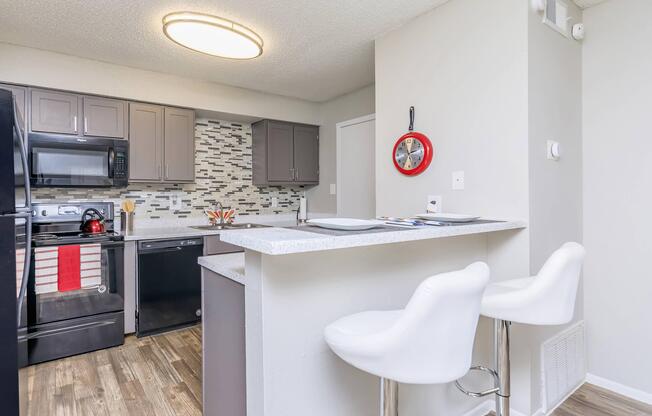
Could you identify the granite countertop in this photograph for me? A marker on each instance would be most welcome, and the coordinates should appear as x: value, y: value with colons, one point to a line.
x: 182, y: 229
x: 279, y: 241
x: 156, y: 233
x: 231, y: 266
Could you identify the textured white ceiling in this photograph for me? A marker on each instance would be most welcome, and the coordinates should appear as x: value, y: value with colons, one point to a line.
x: 588, y: 3
x: 314, y: 49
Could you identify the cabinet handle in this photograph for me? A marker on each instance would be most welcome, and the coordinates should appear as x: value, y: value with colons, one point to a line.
x: 167, y: 171
x: 160, y: 172
x: 85, y: 125
x: 74, y: 121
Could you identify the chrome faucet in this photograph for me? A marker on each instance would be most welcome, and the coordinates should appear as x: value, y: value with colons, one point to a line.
x: 221, y: 207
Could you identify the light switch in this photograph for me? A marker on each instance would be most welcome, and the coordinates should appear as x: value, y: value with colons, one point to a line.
x: 274, y: 202
x: 552, y: 150
x: 458, y: 180
x: 333, y: 189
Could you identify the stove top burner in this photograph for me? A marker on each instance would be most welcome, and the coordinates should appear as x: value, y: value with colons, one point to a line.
x: 45, y: 236
x: 73, y: 237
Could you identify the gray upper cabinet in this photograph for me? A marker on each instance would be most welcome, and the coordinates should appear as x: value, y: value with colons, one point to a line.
x: 20, y: 93
x: 161, y: 144
x: 306, y: 154
x: 145, y: 142
x: 54, y: 112
x: 285, y: 153
x: 280, y: 152
x: 179, y: 145
x: 104, y: 117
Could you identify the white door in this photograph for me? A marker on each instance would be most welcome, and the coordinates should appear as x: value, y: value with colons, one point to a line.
x: 356, y: 170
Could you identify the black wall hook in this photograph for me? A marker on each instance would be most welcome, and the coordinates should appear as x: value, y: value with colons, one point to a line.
x: 411, y: 119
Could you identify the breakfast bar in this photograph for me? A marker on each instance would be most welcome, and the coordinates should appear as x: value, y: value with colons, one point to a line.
x: 293, y: 283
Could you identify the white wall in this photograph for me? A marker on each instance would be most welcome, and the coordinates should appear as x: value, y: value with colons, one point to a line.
x: 617, y: 90
x: 30, y: 66
x: 468, y: 83
x: 346, y: 107
x: 554, y: 113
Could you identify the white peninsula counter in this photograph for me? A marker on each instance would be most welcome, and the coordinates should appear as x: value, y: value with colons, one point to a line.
x: 264, y: 352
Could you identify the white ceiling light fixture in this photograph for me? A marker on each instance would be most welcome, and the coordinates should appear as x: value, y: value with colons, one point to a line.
x: 212, y: 35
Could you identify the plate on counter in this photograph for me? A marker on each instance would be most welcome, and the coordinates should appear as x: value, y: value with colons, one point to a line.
x: 448, y: 217
x: 346, y: 224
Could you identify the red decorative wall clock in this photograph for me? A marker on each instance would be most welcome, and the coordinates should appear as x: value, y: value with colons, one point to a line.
x: 413, y: 151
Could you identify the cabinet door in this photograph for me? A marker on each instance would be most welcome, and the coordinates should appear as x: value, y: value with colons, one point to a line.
x: 20, y: 93
x: 54, y: 112
x: 306, y: 154
x: 280, y: 152
x: 145, y: 142
x: 179, y: 150
x: 104, y: 117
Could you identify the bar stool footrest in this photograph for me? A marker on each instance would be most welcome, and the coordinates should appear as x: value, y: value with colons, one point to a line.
x: 480, y: 393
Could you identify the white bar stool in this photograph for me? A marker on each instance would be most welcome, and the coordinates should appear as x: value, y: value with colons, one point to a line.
x: 428, y: 342
x: 545, y: 299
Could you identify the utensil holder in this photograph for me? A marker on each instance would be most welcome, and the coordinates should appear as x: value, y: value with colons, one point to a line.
x: 126, y: 221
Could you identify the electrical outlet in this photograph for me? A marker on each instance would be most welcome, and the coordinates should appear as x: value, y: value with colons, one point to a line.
x: 434, y: 204
x: 333, y: 189
x: 274, y: 202
x: 458, y: 180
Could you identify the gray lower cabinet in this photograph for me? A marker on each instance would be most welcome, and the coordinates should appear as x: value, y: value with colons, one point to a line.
x: 145, y: 142
x: 20, y: 93
x: 54, y: 111
x: 104, y: 117
x: 224, y: 357
x: 179, y: 145
x: 285, y: 153
x: 161, y: 144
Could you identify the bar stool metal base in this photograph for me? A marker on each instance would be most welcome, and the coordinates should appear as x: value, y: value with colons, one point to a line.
x: 501, y: 375
x: 388, y: 397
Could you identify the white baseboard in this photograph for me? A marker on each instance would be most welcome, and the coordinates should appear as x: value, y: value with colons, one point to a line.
x: 632, y: 393
x: 490, y: 405
x: 482, y: 409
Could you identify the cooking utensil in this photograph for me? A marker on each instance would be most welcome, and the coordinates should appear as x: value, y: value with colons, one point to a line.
x: 92, y: 222
x: 413, y: 151
x: 128, y: 205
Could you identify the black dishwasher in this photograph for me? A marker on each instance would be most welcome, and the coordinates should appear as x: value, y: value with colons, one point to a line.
x: 169, y: 285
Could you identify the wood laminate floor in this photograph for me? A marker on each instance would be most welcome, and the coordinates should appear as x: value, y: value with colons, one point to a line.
x: 161, y: 376
x: 158, y: 376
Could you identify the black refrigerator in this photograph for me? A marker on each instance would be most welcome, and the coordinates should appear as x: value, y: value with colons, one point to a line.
x: 15, y: 250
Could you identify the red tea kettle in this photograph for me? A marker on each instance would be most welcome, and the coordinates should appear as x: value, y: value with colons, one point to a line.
x: 95, y: 222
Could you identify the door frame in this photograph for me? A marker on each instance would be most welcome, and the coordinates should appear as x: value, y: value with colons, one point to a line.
x: 338, y: 148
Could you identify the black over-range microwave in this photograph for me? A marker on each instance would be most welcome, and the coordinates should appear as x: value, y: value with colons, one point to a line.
x: 60, y: 160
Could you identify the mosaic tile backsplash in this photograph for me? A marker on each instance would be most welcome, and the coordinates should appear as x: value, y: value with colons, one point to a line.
x: 222, y: 173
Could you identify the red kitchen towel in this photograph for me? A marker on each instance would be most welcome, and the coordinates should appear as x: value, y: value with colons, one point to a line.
x: 69, y: 268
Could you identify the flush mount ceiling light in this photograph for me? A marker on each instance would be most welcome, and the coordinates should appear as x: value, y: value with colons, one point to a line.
x: 212, y: 35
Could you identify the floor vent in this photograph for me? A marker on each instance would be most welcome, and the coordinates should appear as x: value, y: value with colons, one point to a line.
x: 563, y: 362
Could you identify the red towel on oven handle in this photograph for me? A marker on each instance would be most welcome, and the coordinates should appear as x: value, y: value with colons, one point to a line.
x: 69, y: 268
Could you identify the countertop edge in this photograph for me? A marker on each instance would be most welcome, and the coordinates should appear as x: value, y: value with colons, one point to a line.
x: 227, y: 265
x: 326, y: 243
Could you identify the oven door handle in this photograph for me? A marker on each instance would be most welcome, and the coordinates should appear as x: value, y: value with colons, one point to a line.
x: 111, y: 162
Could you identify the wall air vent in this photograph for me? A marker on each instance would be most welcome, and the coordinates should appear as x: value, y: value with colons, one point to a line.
x: 563, y: 363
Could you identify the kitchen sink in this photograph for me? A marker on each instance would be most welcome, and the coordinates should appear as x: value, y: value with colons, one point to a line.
x: 239, y: 226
